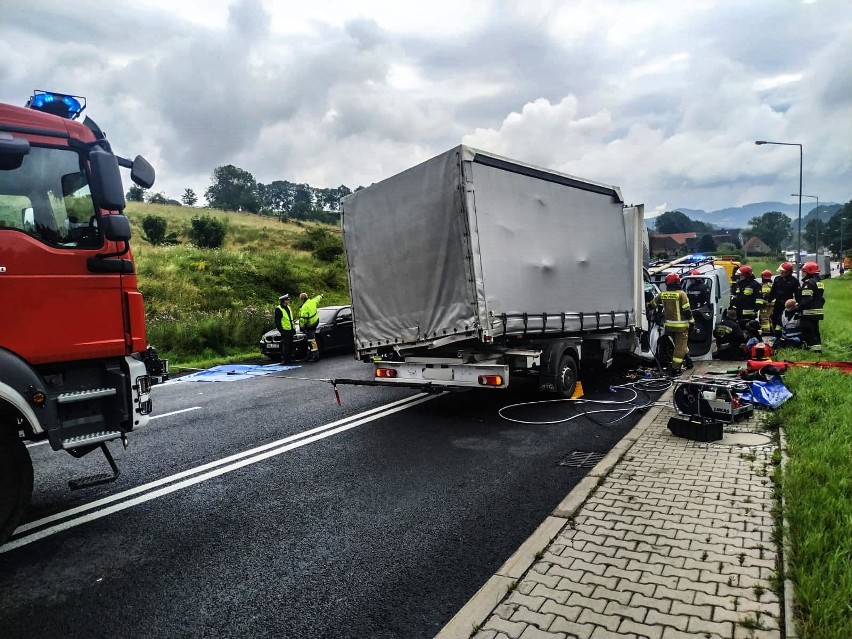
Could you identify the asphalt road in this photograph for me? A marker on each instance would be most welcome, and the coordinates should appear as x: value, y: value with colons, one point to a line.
x: 381, y: 527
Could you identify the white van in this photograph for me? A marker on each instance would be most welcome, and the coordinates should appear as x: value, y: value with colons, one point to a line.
x: 709, y: 292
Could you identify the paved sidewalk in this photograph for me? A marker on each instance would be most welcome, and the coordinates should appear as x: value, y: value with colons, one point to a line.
x: 665, y: 538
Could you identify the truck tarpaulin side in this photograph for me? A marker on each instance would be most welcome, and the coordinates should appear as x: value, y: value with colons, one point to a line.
x: 472, y: 245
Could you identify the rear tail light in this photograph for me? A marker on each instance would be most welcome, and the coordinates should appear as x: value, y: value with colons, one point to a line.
x: 490, y: 380
x: 386, y: 372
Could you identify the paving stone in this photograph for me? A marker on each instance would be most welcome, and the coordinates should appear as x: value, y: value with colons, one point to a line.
x: 560, y: 596
x: 612, y: 595
x: 535, y: 633
x: 527, y: 601
x: 511, y: 628
x: 607, y: 621
x: 587, y: 603
x: 631, y: 585
x: 534, y: 618
x: 640, y: 600
x: 488, y: 634
x: 697, y: 625
x: 561, y: 610
x: 706, y: 587
x: 682, y: 596
x: 630, y: 626
x: 655, y: 617
x: 672, y: 633
x: 572, y: 629
x: 615, y: 609
x: 602, y: 633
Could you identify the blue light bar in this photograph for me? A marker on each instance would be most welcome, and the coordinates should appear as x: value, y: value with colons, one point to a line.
x: 65, y: 106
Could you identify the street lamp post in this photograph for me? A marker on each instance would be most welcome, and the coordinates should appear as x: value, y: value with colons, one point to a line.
x: 816, y: 197
x: 799, y: 234
x: 842, y: 260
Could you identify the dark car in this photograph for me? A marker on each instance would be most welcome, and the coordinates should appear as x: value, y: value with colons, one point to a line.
x: 334, y: 334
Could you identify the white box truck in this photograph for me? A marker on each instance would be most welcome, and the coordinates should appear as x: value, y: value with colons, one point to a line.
x: 470, y: 268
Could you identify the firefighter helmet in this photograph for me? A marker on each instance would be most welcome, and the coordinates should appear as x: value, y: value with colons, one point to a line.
x: 745, y: 269
x: 672, y: 278
x: 810, y: 268
x: 786, y: 267
x: 767, y: 274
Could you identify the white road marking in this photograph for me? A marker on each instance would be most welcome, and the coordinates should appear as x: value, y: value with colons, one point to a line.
x: 37, y: 443
x: 174, y: 412
x: 239, y: 461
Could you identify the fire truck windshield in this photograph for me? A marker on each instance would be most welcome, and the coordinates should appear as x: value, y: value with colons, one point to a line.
x: 48, y: 198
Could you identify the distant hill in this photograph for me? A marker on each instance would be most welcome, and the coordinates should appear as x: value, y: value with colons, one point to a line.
x: 738, y: 216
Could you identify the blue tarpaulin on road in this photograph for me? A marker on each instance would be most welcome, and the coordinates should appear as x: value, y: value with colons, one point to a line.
x: 234, y: 372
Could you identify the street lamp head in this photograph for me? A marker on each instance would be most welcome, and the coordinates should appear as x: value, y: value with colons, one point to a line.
x: 760, y: 142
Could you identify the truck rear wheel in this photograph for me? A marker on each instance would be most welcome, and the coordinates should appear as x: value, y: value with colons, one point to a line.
x: 16, y: 482
x: 566, y: 376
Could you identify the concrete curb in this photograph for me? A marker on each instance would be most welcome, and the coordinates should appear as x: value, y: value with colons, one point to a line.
x: 477, y: 610
x: 790, y: 630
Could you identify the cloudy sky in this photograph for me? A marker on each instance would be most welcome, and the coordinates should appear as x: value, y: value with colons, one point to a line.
x: 663, y: 98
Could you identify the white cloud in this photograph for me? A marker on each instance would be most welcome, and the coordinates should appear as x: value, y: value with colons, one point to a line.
x: 662, y: 98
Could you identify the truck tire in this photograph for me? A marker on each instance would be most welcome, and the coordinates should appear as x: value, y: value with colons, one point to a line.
x: 16, y: 482
x: 566, y: 376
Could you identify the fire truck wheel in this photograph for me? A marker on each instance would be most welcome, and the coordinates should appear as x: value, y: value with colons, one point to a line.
x: 16, y: 482
x: 566, y: 376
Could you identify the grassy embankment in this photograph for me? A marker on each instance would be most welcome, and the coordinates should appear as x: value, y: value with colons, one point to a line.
x: 817, y: 483
x: 208, y: 306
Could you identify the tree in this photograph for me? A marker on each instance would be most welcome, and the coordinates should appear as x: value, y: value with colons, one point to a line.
x: 207, y: 232
x: 673, y: 222
x: 772, y: 227
x: 832, y: 232
x: 135, y: 194
x: 189, y: 197
x: 276, y: 196
x: 234, y: 189
x: 707, y: 244
x: 157, y: 198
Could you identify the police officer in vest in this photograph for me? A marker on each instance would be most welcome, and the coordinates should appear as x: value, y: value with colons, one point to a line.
x: 308, y: 320
x: 811, y: 302
x: 748, y: 298
x: 678, y: 318
x: 284, y: 324
x: 784, y: 287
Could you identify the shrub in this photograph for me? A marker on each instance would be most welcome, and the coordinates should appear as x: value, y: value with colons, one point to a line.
x: 207, y: 232
x: 154, y: 228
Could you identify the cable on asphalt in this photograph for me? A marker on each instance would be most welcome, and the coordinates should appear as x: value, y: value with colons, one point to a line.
x: 627, y: 406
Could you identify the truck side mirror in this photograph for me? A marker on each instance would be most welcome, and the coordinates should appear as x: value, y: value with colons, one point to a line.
x: 105, y: 184
x: 115, y: 227
x: 12, y: 152
x: 142, y: 173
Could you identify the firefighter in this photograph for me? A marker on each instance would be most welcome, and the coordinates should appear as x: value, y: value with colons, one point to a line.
x: 811, y: 302
x: 765, y: 315
x: 729, y: 338
x: 748, y: 299
x: 284, y: 324
x: 784, y: 287
x: 308, y: 320
x: 678, y: 318
x: 698, y: 290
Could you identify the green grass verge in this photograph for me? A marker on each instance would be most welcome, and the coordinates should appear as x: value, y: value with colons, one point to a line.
x: 817, y: 482
x: 212, y: 306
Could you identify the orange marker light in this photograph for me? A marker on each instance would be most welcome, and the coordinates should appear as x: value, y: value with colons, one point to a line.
x: 490, y: 380
x: 385, y: 372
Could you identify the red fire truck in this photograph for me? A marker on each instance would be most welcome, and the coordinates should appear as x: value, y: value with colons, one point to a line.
x: 75, y: 369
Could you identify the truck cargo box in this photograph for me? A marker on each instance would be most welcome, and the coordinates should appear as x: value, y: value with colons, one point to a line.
x: 473, y: 246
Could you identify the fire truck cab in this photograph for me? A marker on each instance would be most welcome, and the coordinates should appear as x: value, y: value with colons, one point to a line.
x: 74, y: 364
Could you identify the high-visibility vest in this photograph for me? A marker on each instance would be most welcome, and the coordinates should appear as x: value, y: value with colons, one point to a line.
x: 308, y: 314
x: 286, y: 319
x: 676, y: 308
